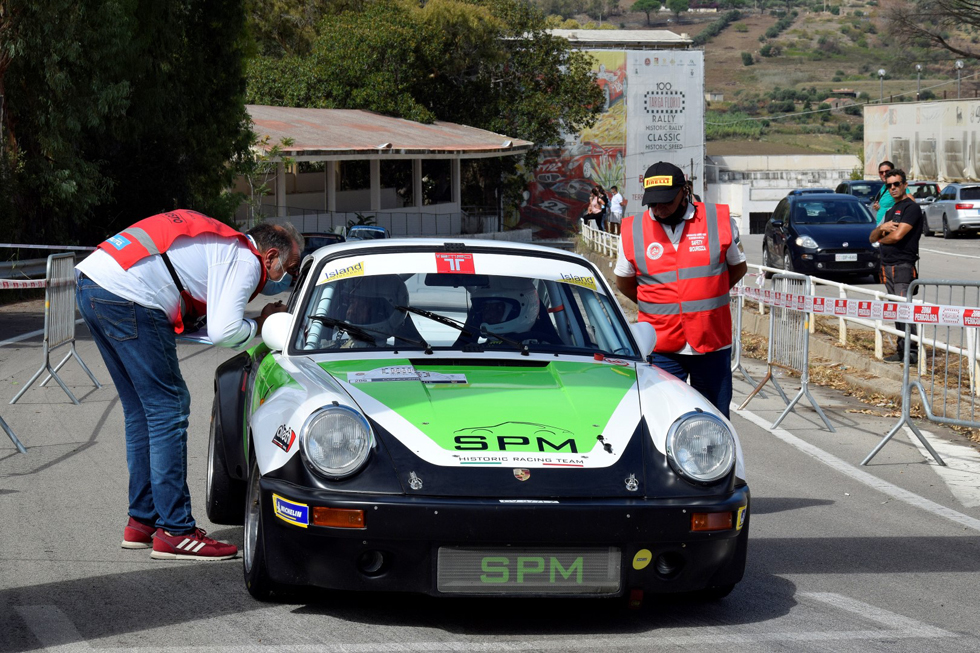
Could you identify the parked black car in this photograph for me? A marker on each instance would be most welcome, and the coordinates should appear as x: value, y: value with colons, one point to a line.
x: 821, y: 234
x: 864, y: 189
x: 315, y: 241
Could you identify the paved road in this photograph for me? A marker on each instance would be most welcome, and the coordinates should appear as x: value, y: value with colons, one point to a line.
x: 843, y: 558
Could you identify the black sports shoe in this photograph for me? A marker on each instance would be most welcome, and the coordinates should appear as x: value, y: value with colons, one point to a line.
x: 894, y: 358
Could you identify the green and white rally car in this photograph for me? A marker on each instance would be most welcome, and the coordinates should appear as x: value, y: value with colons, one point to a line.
x: 470, y: 418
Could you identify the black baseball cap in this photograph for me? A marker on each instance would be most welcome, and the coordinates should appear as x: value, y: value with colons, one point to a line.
x: 661, y: 183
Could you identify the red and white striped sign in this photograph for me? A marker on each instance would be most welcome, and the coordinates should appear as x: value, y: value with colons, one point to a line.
x: 938, y: 314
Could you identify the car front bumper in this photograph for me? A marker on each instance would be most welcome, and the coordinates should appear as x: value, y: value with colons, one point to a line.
x: 826, y: 260
x: 403, y: 535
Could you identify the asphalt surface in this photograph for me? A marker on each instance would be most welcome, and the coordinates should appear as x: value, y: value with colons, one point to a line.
x: 841, y: 557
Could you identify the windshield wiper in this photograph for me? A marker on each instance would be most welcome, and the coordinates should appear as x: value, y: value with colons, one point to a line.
x: 485, y: 332
x: 363, y: 333
x: 436, y: 317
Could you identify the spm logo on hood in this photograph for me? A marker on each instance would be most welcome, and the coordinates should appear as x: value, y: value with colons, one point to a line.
x: 585, y: 282
x: 355, y: 270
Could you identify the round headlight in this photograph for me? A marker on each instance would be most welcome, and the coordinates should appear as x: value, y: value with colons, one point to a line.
x: 336, y: 440
x: 700, y: 447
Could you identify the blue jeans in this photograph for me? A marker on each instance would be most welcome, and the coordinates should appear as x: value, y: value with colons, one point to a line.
x: 140, y: 351
x: 711, y: 374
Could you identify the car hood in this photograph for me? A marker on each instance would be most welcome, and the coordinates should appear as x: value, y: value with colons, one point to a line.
x: 528, y: 414
x: 835, y: 235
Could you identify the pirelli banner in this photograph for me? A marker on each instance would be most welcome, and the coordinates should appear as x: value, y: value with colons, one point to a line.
x: 665, y: 115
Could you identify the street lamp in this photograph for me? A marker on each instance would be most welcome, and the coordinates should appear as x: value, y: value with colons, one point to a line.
x: 881, y: 85
x: 918, y: 80
x: 959, y: 67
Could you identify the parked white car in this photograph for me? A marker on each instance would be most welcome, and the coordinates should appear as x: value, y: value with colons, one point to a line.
x: 955, y: 211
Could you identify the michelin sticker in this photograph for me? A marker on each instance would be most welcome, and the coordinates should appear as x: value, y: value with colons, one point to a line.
x: 335, y: 274
x: 403, y: 373
x: 297, y: 514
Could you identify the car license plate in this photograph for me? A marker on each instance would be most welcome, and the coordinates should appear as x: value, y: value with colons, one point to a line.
x: 845, y: 257
x: 511, y: 570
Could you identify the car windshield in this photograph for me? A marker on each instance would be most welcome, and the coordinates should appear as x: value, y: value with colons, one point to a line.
x: 365, y: 234
x: 865, y: 189
x: 830, y: 212
x: 922, y: 191
x: 465, y: 302
x: 970, y: 193
x: 316, y: 242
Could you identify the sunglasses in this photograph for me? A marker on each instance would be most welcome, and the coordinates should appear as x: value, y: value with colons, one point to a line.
x: 881, y: 172
x: 895, y: 184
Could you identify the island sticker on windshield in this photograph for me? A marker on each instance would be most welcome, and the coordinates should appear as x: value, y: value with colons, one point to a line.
x: 333, y: 274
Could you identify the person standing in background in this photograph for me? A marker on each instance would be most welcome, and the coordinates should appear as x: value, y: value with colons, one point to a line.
x: 678, y: 261
x: 617, y: 204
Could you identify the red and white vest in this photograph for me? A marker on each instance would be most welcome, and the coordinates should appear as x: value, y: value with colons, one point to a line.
x: 683, y: 293
x: 155, y: 235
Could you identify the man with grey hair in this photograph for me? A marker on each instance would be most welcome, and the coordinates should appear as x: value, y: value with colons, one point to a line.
x: 166, y: 275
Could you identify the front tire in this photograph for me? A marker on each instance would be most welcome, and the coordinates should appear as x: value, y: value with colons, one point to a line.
x: 926, y: 231
x: 947, y: 234
x: 224, y: 495
x: 765, y: 261
x: 788, y: 262
x: 257, y: 580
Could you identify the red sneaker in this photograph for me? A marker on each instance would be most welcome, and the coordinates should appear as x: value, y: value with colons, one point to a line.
x: 195, y: 545
x: 138, y: 535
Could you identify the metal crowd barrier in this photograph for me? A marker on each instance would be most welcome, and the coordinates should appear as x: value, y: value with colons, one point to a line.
x: 736, y: 304
x: 947, y: 391
x: 789, y: 345
x: 12, y: 436
x: 59, y: 322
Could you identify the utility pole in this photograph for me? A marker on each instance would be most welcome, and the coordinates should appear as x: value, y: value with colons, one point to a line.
x: 918, y: 80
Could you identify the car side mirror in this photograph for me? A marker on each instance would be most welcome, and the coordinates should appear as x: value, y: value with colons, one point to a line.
x: 275, y: 330
x: 777, y: 224
x: 645, y: 336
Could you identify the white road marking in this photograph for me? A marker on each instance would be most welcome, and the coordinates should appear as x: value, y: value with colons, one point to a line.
x: 53, y: 629
x: 55, y: 632
x: 866, y: 478
x: 962, y: 471
x: 939, y: 251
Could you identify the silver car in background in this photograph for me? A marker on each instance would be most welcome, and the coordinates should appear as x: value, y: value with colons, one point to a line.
x: 955, y: 211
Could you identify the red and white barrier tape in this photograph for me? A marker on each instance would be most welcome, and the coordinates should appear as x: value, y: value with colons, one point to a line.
x: 11, y: 284
x: 938, y: 314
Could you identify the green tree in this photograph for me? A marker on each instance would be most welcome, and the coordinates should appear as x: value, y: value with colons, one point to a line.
x: 647, y: 7
x: 117, y: 109
x: 417, y: 62
x: 678, y: 6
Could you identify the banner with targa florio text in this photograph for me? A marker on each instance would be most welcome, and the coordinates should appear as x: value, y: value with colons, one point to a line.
x: 665, y: 115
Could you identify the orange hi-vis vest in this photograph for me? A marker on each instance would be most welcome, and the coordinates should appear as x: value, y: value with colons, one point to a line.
x: 155, y: 235
x: 683, y: 293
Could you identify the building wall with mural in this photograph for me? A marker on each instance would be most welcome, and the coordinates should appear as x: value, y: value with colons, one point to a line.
x: 936, y: 141
x: 654, y: 110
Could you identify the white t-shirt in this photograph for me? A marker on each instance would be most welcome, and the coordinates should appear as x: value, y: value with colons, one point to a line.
x: 221, y: 272
x: 617, y: 203
x: 733, y: 256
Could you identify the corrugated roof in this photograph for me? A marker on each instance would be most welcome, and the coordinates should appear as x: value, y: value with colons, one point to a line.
x: 631, y: 39
x: 323, y: 134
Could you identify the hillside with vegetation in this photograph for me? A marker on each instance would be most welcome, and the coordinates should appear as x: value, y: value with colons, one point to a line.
x: 791, y: 76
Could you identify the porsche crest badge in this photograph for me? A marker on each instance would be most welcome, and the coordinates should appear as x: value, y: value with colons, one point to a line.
x: 522, y: 474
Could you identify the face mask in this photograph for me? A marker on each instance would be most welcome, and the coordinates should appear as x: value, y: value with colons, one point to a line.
x: 675, y: 218
x: 275, y: 287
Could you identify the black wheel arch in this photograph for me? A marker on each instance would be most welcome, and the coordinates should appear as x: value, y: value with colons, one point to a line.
x: 230, y: 397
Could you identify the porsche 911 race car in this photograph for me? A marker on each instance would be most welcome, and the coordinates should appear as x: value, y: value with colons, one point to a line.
x: 470, y: 418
